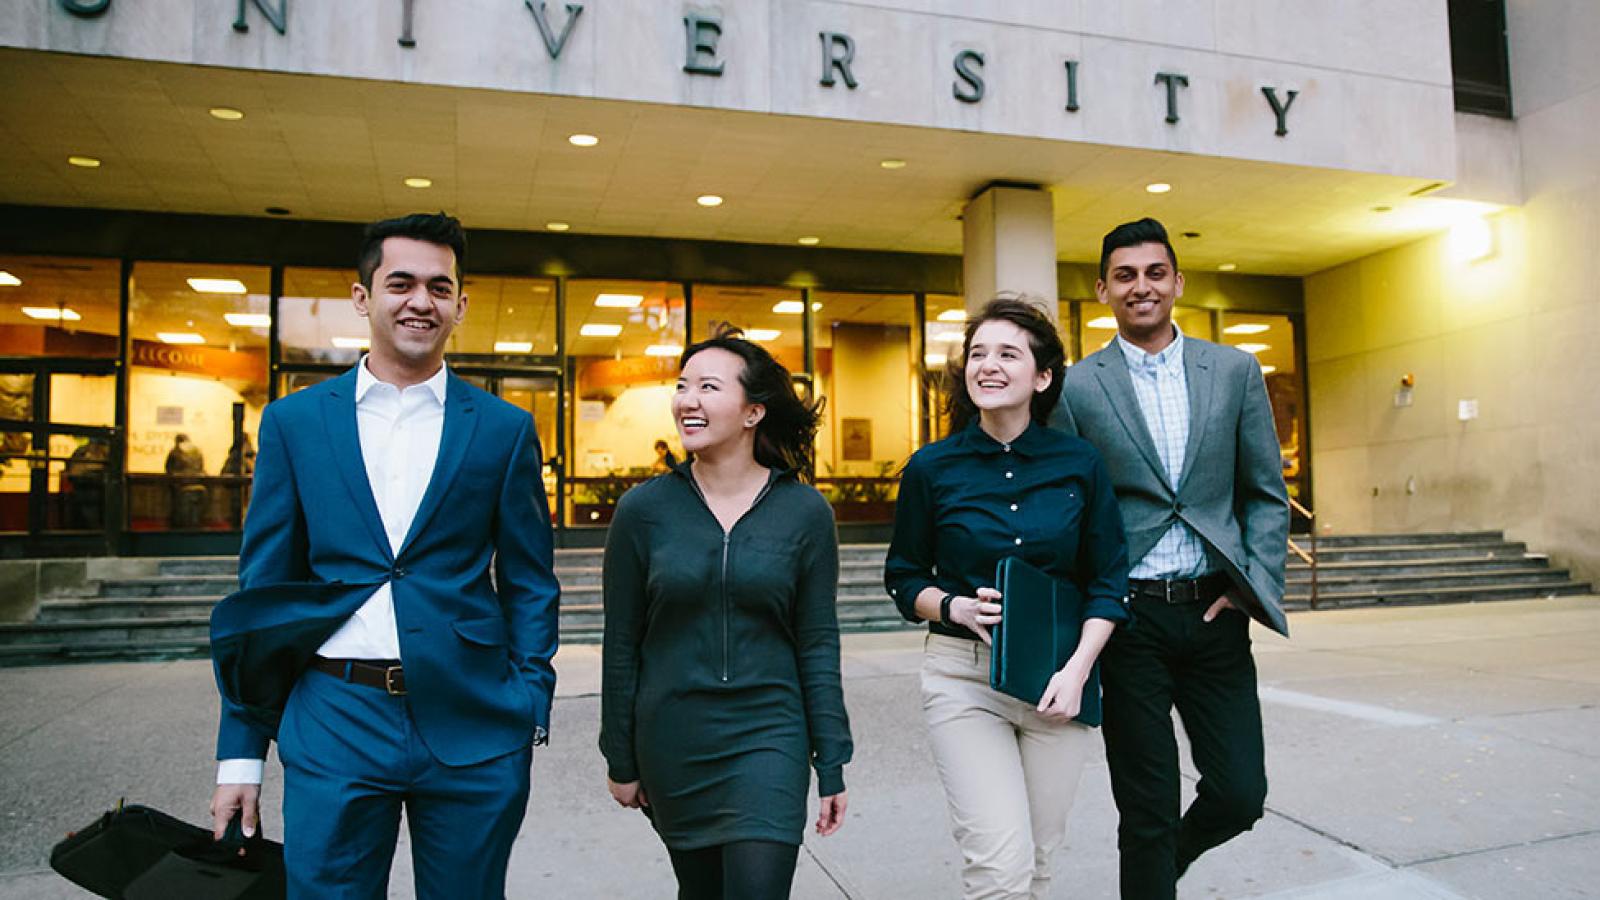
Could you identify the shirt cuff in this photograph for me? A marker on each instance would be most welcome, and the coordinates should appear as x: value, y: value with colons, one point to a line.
x: 830, y: 781
x: 240, y: 771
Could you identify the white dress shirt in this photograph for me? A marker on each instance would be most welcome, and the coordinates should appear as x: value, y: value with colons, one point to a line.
x: 1162, y: 387
x: 400, y: 431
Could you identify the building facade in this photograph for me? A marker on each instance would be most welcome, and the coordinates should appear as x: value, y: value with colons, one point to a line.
x: 185, y: 179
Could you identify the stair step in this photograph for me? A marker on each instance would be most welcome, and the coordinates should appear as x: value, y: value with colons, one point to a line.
x: 1330, y: 586
x: 170, y: 586
x: 106, y: 631
x: 1409, y: 540
x: 103, y: 608
x: 1440, y: 595
x: 1485, y: 550
x: 1300, y: 571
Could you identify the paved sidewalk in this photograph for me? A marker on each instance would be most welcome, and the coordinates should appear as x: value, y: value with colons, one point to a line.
x: 1444, y: 752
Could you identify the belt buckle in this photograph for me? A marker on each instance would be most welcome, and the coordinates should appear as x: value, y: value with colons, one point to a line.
x: 389, y: 675
x: 1166, y: 588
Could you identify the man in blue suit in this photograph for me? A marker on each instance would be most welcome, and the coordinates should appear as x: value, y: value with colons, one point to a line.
x: 370, y: 637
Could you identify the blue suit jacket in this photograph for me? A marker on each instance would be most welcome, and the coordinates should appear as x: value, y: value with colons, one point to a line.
x: 476, y: 650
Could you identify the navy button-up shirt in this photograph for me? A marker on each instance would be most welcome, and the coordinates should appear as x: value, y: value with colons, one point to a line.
x: 968, y: 501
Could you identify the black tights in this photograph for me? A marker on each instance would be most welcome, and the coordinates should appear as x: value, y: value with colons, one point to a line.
x: 738, y: 870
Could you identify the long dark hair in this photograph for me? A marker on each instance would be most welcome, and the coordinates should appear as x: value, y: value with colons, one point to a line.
x: 1048, y: 355
x: 786, y: 435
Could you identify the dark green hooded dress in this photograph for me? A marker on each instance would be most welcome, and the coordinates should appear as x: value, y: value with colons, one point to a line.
x: 720, y: 681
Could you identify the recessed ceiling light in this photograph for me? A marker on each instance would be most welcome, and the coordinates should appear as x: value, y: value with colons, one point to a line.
x: 582, y: 140
x: 513, y: 346
x: 9, y: 280
x: 1268, y: 370
x: 708, y: 200
x: 1227, y: 267
x: 51, y: 313
x: 892, y: 163
x: 248, y: 320
x: 663, y: 350
x: 600, y: 329
x: 935, y: 360
x: 352, y: 343
x: 1191, y: 235
x: 226, y: 113
x: 1108, y: 323
x: 809, y: 240
x: 1253, y: 348
x: 218, y: 286
x: 1247, y: 328
x: 417, y: 181
x: 277, y: 211
x: 557, y: 226
x: 952, y: 315
x: 762, y: 334
x: 789, y: 307
x: 951, y: 336
x: 180, y: 337
x: 1382, y: 209
x: 1158, y: 187
x: 619, y: 301
x: 84, y: 162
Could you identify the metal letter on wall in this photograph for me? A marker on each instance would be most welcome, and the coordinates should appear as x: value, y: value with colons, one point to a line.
x: 838, y: 51
x: 1281, y: 110
x: 407, y: 17
x: 700, y: 41
x: 86, y: 9
x: 1072, y: 85
x: 1173, y: 82
x: 278, y: 17
x: 542, y: 19
x: 970, y: 89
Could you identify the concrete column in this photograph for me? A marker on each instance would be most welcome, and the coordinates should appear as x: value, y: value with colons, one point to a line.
x: 1009, y: 245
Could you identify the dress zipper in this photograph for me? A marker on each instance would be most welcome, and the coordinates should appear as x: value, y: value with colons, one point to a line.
x: 727, y: 536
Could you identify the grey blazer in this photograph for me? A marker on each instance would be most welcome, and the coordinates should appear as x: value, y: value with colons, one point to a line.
x: 1231, y: 491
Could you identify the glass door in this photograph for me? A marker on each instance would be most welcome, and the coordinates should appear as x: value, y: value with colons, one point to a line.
x: 59, y: 472
x: 539, y: 394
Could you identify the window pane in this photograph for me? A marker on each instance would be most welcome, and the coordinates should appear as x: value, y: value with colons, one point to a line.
x: 55, y: 306
x: 770, y: 316
x: 946, y: 325
x: 866, y: 371
x: 317, y: 322
x: 623, y: 342
x: 509, y: 317
x: 196, y: 385
x: 1272, y: 340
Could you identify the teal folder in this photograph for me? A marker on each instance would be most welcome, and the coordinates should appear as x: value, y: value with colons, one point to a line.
x: 1041, y: 619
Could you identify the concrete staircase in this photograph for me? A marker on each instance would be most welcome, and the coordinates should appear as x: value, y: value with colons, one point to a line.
x: 159, y: 608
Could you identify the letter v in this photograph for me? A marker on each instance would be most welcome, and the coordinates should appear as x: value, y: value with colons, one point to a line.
x: 542, y: 19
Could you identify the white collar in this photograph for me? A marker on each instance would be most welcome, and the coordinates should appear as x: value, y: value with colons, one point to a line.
x: 365, y: 381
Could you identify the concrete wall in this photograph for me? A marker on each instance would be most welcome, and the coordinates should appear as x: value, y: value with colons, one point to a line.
x: 1516, y: 331
x: 1373, y: 76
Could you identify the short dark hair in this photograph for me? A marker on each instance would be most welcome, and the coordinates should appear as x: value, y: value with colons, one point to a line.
x: 435, y: 228
x: 786, y: 435
x: 1132, y: 234
x: 1049, y: 355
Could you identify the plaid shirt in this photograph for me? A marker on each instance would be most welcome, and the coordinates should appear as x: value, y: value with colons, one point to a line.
x: 1163, y: 391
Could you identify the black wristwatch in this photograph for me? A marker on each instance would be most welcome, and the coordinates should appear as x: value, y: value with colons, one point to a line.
x: 944, y: 609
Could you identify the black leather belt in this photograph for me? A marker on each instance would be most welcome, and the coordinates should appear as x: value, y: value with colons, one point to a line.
x: 384, y: 674
x: 1204, y: 589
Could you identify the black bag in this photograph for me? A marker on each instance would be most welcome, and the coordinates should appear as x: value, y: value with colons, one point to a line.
x: 138, y: 853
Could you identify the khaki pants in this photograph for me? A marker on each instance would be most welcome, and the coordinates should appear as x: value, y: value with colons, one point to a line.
x: 1009, y: 775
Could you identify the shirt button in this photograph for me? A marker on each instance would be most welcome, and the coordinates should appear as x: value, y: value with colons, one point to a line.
x: 1008, y: 474
x: 1019, y: 542
x: 1013, y: 507
x: 1008, y: 448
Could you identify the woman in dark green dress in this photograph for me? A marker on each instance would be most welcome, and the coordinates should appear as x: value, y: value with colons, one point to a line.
x: 720, y: 682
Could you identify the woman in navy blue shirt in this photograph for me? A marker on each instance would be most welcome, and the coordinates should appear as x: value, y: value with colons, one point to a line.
x: 1005, y: 485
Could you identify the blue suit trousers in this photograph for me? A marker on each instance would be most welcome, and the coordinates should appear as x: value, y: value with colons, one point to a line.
x: 352, y: 758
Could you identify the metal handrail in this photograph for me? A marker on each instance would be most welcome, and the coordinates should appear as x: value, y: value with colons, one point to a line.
x: 1309, y: 558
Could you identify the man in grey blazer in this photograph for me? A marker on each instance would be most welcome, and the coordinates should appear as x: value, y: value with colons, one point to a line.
x: 1186, y: 430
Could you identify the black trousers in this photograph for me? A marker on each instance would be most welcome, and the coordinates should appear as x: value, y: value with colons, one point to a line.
x: 1170, y: 658
x: 739, y: 870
